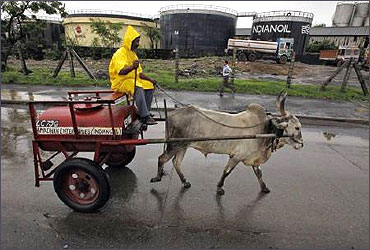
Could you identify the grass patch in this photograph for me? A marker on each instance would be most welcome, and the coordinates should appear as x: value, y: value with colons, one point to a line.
x: 42, y: 76
x: 165, y: 78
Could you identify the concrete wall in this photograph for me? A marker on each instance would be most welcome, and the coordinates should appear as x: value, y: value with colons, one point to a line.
x: 86, y: 36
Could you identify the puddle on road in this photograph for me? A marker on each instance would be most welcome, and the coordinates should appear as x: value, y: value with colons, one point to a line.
x: 328, y: 135
x: 16, y: 136
x: 14, y: 95
x: 356, y: 138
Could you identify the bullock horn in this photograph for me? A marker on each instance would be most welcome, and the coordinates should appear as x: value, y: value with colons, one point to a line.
x: 278, y: 100
x: 282, y: 106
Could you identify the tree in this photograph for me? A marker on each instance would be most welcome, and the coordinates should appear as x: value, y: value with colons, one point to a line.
x: 316, y: 46
x: 107, y: 32
x: 153, y: 33
x: 14, y: 29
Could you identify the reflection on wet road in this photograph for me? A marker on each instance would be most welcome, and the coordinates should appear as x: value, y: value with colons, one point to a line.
x: 319, y: 198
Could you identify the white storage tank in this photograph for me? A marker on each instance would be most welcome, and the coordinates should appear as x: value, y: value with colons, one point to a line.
x: 360, y: 14
x: 366, y: 22
x: 343, y: 14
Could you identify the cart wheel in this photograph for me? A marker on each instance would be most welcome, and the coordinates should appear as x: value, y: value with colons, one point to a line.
x: 120, y: 160
x: 82, y: 185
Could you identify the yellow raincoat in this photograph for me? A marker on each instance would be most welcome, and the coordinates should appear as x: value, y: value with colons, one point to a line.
x: 122, y: 58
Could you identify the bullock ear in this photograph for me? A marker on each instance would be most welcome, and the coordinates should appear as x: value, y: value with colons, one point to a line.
x: 282, y: 125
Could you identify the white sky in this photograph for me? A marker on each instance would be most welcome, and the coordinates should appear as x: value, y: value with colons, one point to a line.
x: 322, y: 10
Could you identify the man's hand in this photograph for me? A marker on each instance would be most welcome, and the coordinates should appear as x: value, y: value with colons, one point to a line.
x: 135, y: 64
x: 154, y: 82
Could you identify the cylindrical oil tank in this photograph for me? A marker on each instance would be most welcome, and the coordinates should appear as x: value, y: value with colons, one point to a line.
x: 357, y: 21
x: 269, y: 26
x: 78, y: 27
x: 366, y: 22
x: 197, y: 30
x: 360, y: 14
x: 343, y: 14
x: 362, y: 9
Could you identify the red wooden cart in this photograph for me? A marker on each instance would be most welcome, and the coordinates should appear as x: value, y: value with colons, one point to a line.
x: 97, y: 123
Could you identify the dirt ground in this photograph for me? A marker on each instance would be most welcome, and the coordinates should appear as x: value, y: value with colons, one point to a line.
x: 212, y: 66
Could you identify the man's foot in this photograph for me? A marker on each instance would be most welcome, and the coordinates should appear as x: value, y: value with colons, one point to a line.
x: 220, y: 94
x: 148, y: 120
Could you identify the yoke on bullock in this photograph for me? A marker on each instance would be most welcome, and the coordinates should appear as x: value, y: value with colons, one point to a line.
x: 192, y: 122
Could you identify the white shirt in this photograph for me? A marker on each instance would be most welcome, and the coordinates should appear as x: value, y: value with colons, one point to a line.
x: 226, y: 70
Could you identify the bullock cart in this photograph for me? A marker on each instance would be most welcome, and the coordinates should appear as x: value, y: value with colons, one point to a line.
x: 93, y: 121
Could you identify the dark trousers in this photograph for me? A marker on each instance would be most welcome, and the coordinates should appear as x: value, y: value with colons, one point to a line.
x: 225, y: 84
x: 143, y: 100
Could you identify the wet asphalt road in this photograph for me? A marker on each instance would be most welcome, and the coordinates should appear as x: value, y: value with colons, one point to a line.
x: 319, y: 198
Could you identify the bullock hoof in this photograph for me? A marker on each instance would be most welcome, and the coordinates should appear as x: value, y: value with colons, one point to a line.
x: 220, y: 191
x: 265, y: 190
x: 155, y: 179
x: 187, y: 184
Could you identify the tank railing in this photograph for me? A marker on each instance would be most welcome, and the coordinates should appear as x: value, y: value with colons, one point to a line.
x: 285, y: 13
x: 111, y: 12
x: 47, y: 18
x: 199, y: 6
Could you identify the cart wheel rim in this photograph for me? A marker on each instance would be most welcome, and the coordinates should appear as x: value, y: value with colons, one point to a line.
x: 80, y: 186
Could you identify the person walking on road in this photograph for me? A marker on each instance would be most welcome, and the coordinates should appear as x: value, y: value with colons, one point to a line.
x: 226, y: 75
x: 126, y: 75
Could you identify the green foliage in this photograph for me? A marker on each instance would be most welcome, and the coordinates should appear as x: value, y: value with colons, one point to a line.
x: 107, y: 32
x: 154, y: 35
x: 316, y: 46
x: 165, y: 78
x: 16, y: 25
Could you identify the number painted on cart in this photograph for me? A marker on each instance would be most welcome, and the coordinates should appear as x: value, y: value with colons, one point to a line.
x: 47, y: 123
x: 127, y: 121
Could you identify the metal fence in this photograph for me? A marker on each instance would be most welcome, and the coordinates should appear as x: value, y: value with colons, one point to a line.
x: 285, y: 13
x: 108, y: 12
x: 198, y: 7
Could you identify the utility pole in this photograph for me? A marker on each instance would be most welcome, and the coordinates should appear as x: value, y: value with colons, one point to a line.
x: 176, y: 57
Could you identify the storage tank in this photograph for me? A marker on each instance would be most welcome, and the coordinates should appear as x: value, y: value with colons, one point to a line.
x: 360, y: 14
x: 78, y: 29
x: 343, y: 14
x: 357, y: 21
x: 197, y: 30
x: 366, y: 22
x: 269, y: 26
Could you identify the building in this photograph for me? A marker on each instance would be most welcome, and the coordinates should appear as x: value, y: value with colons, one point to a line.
x: 347, y: 36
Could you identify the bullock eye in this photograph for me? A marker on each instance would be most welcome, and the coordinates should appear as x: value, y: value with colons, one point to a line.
x: 297, y: 128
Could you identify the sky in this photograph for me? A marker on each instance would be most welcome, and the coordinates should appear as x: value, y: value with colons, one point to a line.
x: 323, y: 10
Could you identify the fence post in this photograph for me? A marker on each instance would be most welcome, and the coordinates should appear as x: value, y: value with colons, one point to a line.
x: 346, y: 75
x: 177, y: 65
x: 290, y: 72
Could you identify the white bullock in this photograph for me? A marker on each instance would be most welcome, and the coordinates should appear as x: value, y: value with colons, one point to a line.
x: 193, y: 122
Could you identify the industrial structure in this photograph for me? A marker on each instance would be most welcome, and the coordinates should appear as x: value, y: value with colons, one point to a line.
x: 269, y: 26
x: 78, y: 29
x: 197, y: 29
x: 351, y: 14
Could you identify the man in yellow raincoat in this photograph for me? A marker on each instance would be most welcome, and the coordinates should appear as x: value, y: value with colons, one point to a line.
x: 126, y: 75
